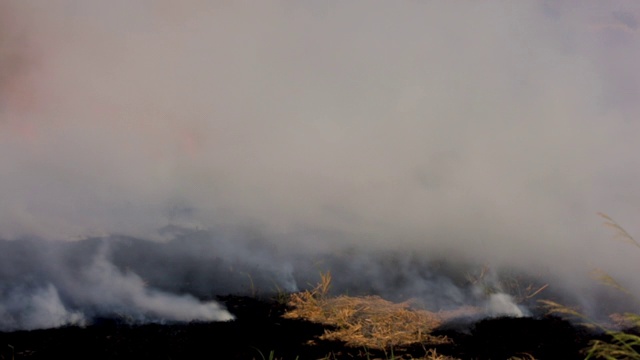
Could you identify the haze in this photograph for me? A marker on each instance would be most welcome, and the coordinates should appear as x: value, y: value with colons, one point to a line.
x: 486, y: 131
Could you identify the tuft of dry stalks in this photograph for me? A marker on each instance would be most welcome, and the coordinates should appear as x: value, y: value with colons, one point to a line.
x: 368, y: 321
x: 620, y: 233
x: 604, y: 278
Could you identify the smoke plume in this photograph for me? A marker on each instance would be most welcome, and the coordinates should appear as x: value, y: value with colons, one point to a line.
x: 148, y: 147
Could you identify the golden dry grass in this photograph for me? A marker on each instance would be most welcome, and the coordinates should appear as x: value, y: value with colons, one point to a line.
x: 367, y: 321
x: 620, y: 233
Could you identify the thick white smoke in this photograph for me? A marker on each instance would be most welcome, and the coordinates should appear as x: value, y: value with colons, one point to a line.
x: 489, y: 131
x: 48, y: 285
x: 28, y: 309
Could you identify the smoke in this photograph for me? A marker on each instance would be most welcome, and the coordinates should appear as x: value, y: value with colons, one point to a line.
x: 268, y: 133
x: 35, y: 309
x: 49, y: 284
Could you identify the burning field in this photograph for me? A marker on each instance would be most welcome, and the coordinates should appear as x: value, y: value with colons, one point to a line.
x: 325, y: 180
x: 142, y: 308
x: 260, y: 331
x: 314, y: 325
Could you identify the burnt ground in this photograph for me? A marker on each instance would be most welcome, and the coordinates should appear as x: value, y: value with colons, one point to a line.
x: 259, y: 330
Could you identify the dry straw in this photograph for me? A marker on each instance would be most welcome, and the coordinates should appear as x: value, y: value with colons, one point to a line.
x: 368, y: 321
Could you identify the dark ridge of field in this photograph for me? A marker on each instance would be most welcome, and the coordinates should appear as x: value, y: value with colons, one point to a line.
x: 260, y: 329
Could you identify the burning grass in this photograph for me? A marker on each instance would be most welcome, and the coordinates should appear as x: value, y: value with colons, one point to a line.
x: 368, y: 321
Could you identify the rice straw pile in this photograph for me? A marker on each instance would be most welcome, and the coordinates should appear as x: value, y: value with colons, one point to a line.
x: 368, y: 321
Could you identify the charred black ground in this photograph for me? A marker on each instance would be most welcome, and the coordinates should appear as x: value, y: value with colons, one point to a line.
x: 259, y: 330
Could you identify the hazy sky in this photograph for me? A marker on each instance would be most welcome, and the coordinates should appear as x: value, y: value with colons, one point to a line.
x: 492, y: 130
